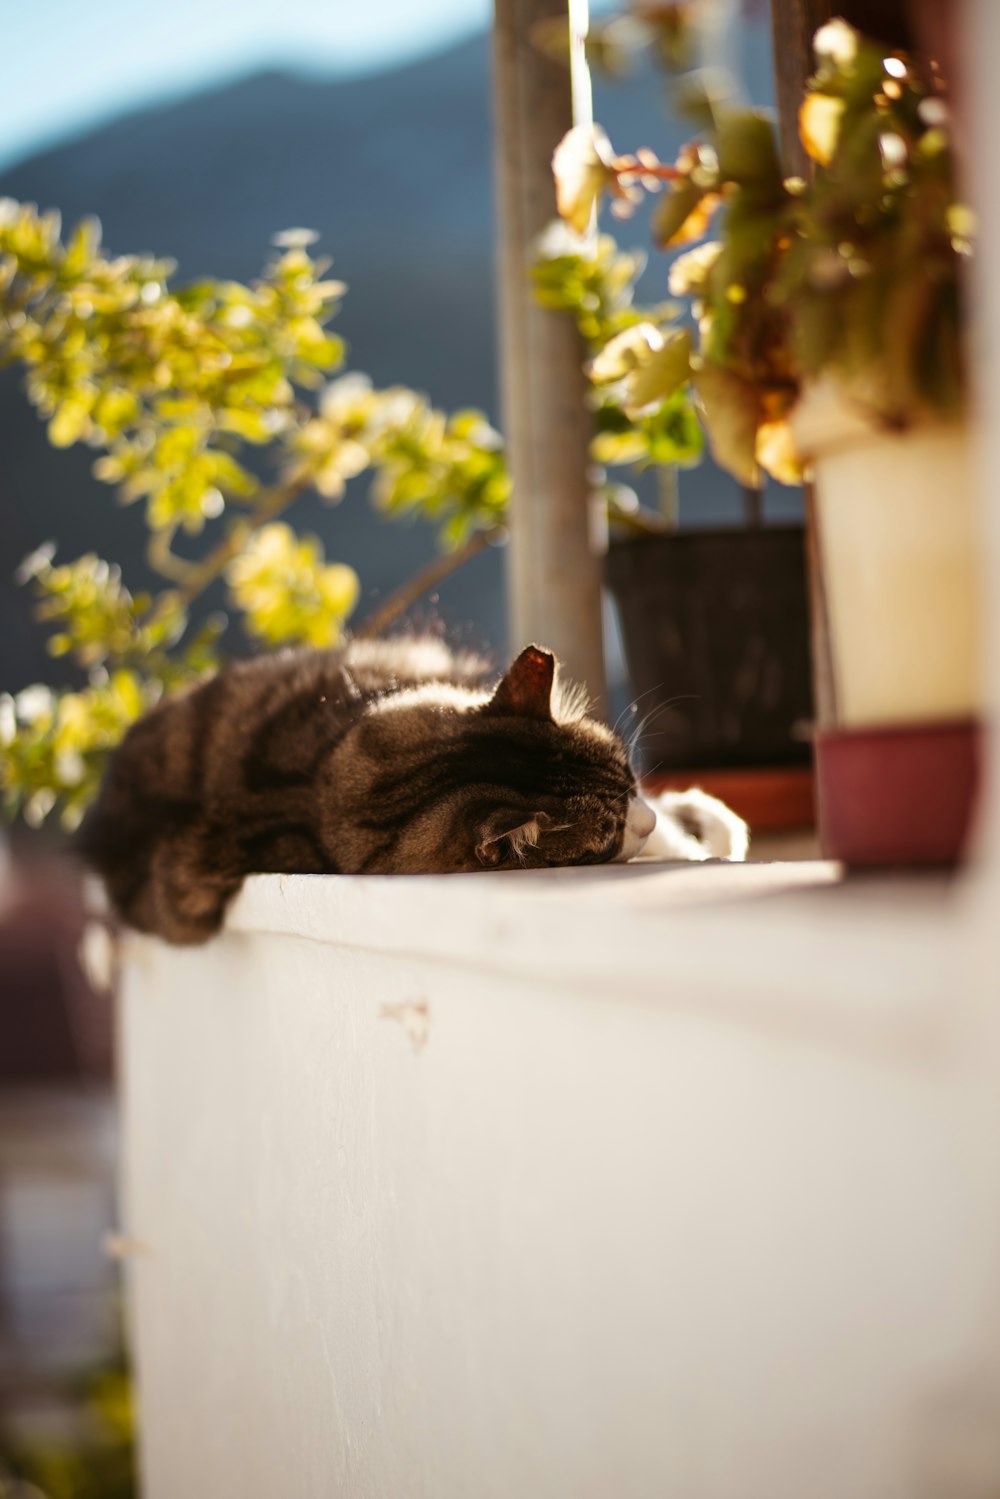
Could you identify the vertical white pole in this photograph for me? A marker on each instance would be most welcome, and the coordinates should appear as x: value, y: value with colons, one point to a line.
x: 554, y: 563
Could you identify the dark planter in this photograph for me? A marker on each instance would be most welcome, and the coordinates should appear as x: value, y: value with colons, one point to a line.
x: 716, y: 633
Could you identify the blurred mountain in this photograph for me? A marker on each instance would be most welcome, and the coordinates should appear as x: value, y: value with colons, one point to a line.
x: 395, y: 171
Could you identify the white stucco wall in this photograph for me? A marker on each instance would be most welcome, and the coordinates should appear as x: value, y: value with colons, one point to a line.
x: 571, y: 1185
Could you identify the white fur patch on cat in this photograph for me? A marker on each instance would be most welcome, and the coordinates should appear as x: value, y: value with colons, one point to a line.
x: 639, y: 826
x: 693, y: 825
x: 523, y: 838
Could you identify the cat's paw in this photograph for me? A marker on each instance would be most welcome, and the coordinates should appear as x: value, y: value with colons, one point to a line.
x: 693, y: 825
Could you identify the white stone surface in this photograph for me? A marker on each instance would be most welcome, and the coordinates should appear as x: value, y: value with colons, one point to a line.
x: 609, y: 1182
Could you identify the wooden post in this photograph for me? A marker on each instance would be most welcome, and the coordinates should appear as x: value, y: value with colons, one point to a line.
x: 554, y: 563
x: 794, y: 23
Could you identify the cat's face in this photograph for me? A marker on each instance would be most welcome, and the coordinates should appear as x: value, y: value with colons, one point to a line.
x: 440, y: 779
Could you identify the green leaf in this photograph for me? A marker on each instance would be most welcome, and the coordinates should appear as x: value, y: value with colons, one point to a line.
x: 683, y: 214
x: 249, y: 423
x: 82, y: 247
x: 748, y: 151
x: 71, y: 422
x: 673, y: 435
x: 231, y: 477
x: 659, y: 375
x: 731, y: 409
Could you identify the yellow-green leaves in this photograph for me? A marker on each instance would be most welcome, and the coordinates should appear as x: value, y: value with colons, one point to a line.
x: 661, y: 375
x: 169, y: 381
x: 287, y: 590
x: 332, y: 447
x: 689, y: 272
x: 776, y: 452
x: 819, y: 126
x: 639, y: 363
x: 747, y: 150
x: 646, y: 365
x: 836, y: 45
x: 583, y: 168
x: 451, y: 470
x: 103, y: 625
x: 591, y: 279
x: 668, y: 435
x: 184, y: 480
x: 685, y: 213
x: 97, y: 617
x: 53, y: 746
x: 197, y: 398
x: 624, y: 353
x: 730, y: 407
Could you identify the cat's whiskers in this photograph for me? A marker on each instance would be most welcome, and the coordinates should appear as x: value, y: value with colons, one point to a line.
x: 649, y: 717
x: 633, y: 743
x: 630, y: 707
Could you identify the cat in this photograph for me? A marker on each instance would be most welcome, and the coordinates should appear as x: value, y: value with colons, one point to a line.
x: 381, y: 757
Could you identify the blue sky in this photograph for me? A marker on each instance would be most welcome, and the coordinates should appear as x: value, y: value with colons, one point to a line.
x: 71, y: 63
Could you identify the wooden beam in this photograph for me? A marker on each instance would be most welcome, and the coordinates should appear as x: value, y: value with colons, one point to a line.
x: 793, y: 26
x: 554, y: 567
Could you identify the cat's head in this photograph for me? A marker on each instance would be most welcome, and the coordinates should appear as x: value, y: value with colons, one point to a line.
x: 440, y: 778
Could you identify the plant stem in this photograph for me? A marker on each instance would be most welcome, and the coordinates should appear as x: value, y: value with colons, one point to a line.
x: 164, y: 561
x: 428, y: 577
x: 753, y: 506
x: 625, y: 166
x: 668, y: 495
x: 194, y: 577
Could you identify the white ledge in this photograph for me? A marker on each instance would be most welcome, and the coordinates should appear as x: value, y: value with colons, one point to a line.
x: 787, y: 944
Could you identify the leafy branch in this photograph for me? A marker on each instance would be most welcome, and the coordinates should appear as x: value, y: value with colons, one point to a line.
x: 186, y: 394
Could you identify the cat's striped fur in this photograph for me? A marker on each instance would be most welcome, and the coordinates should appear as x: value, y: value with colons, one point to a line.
x: 383, y: 757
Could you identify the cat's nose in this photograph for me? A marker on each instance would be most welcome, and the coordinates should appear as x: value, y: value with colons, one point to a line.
x: 641, y: 818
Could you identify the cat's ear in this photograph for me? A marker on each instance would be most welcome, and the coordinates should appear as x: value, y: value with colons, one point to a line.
x: 504, y: 833
x: 526, y: 687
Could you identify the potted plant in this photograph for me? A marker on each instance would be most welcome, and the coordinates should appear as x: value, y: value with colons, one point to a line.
x: 828, y: 346
x: 713, y: 619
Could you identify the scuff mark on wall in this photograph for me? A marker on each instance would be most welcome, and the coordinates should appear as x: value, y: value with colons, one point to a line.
x: 119, y: 1247
x: 414, y: 1016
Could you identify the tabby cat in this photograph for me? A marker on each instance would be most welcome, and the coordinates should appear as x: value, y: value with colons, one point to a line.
x: 394, y: 757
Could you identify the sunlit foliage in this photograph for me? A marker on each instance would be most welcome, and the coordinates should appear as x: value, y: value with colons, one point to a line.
x: 189, y: 395
x: 287, y: 590
x: 643, y: 415
x: 855, y: 274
